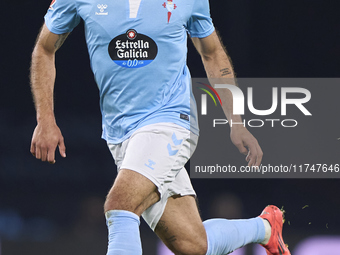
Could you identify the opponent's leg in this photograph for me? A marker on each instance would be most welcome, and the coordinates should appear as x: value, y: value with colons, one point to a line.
x: 182, y: 230
x: 130, y: 195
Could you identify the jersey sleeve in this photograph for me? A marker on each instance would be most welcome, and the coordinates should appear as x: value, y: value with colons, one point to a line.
x: 62, y: 16
x: 200, y: 23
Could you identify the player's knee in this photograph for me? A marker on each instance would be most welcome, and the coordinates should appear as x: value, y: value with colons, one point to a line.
x: 120, y: 199
x: 115, y: 201
x: 131, y: 192
x: 197, y: 247
x: 110, y: 204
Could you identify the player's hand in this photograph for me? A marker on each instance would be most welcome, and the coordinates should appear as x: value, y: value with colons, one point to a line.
x: 247, y: 145
x: 46, y: 137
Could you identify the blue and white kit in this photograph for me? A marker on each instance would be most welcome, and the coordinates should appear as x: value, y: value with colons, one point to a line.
x: 138, y: 51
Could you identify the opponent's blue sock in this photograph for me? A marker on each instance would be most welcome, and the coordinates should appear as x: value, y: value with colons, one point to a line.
x: 124, y: 238
x: 225, y: 236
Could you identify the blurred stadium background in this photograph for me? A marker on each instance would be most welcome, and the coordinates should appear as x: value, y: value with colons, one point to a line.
x: 57, y: 209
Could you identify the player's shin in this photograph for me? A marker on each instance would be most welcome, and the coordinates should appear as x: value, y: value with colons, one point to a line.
x: 225, y: 236
x: 124, y: 237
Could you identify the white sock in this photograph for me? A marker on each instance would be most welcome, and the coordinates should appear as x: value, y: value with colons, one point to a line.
x: 268, y: 231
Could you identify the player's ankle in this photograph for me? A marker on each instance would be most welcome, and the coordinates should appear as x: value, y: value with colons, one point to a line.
x: 268, y: 231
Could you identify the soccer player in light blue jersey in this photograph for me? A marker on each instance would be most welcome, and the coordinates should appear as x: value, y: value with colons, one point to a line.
x: 138, y: 51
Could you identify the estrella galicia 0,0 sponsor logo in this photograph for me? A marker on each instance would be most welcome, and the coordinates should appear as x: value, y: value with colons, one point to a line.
x: 132, y: 50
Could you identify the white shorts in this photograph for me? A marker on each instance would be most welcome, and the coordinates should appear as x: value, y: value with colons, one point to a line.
x: 158, y: 152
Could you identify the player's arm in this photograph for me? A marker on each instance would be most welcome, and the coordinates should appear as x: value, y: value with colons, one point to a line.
x: 47, y: 135
x: 218, y: 65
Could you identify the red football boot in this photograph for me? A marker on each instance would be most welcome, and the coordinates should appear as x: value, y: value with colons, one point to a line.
x: 275, y: 246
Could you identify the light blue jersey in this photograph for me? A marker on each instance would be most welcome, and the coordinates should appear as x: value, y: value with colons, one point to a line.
x: 138, y: 51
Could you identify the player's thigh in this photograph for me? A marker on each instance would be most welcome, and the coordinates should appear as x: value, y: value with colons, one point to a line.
x: 131, y: 191
x: 181, y: 227
x: 156, y: 154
